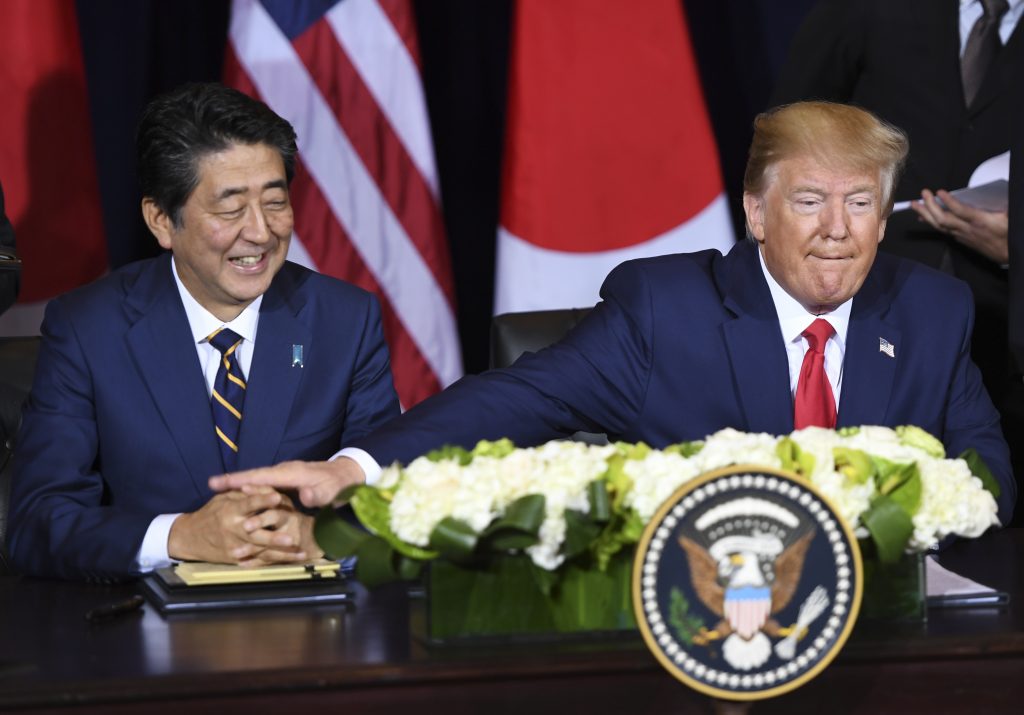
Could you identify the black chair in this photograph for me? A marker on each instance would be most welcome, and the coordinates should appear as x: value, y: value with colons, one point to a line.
x: 513, y: 334
x: 17, y: 367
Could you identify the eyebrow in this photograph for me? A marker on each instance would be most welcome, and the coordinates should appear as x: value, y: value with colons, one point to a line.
x: 864, y: 189
x: 235, y: 190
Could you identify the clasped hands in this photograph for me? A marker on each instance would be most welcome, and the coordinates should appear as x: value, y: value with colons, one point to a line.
x: 983, y: 231
x: 252, y: 526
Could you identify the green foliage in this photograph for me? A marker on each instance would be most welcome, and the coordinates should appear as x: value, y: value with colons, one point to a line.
x: 458, y: 454
x: 890, y: 528
x: 981, y: 471
x: 498, y: 449
x: 899, y: 481
x: 853, y: 464
x: 374, y: 512
x: 685, y: 625
x: 685, y: 449
x: 916, y: 437
x: 793, y: 458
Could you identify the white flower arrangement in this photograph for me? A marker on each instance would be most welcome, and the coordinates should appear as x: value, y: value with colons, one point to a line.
x: 469, y: 495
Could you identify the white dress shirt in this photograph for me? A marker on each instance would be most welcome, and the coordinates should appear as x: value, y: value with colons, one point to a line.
x: 970, y: 13
x: 794, y: 320
x: 153, y: 552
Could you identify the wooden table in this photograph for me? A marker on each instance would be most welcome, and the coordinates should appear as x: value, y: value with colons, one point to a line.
x: 364, y: 659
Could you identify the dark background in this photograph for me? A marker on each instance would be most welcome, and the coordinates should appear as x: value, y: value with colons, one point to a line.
x: 136, y: 50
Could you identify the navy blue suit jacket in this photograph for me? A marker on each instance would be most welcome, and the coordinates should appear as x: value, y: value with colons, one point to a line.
x: 684, y: 345
x: 118, y: 426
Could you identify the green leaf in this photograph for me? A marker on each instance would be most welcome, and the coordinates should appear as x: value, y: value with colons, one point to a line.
x: 848, y: 431
x: 498, y: 449
x: 622, y: 530
x: 374, y: 512
x: 518, y: 527
x: 890, y: 528
x: 452, y: 452
x: 638, y: 451
x: 546, y: 580
x: 580, y: 532
x: 981, y: 471
x: 853, y: 464
x: 685, y: 449
x: 908, y: 492
x: 618, y: 481
x: 600, y: 504
x: 793, y: 458
x: 453, y: 539
x: 336, y: 536
x: 916, y: 437
x: 377, y: 563
x: 890, y: 475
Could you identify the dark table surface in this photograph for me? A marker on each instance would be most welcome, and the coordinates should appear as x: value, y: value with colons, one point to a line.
x: 368, y: 656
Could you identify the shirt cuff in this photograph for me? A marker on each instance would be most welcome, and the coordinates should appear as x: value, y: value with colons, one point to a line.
x: 153, y: 552
x: 368, y: 464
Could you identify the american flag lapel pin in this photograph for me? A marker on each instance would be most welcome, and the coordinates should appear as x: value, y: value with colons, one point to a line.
x: 884, y: 346
x: 296, y: 356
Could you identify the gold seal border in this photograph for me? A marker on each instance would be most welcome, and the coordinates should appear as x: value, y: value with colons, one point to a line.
x: 656, y: 521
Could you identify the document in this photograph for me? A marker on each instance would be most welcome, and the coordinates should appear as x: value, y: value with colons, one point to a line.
x: 946, y: 589
x: 988, y: 188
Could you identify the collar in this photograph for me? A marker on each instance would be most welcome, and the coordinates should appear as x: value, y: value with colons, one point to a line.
x: 794, y: 318
x: 202, y: 322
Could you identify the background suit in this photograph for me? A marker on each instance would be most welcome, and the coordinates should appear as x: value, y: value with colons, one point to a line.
x: 684, y: 345
x: 118, y: 427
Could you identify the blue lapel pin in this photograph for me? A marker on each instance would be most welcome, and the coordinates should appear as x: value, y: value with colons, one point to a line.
x: 296, y: 356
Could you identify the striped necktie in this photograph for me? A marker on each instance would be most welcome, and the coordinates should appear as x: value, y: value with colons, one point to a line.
x: 228, y: 395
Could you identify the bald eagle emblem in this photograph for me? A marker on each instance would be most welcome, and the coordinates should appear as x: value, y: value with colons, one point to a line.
x: 746, y: 556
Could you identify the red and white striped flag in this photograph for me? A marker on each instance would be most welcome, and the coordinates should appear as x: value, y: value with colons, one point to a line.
x: 609, y: 153
x: 367, y: 207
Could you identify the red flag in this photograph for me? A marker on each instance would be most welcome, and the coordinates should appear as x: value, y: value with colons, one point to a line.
x: 47, y: 166
x: 367, y: 207
x: 609, y: 153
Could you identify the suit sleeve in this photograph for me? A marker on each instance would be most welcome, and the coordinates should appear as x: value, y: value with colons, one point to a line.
x: 593, y: 380
x: 372, y: 400
x: 10, y: 280
x: 826, y: 54
x: 973, y: 421
x: 62, y: 524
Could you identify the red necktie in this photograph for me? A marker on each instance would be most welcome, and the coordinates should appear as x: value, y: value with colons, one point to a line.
x: 815, y: 405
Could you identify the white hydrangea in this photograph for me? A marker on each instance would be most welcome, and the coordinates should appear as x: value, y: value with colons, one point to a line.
x: 729, y: 446
x: 655, y: 478
x: 953, y: 501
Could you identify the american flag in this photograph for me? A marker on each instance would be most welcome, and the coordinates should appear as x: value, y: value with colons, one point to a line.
x: 346, y: 74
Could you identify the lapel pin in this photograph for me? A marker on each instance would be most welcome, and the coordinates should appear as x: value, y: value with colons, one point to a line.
x: 884, y: 346
x: 296, y: 356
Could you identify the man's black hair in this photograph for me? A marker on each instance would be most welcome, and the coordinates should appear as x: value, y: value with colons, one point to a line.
x: 180, y: 128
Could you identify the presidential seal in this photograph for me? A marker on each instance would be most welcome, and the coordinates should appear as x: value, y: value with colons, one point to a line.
x: 746, y: 583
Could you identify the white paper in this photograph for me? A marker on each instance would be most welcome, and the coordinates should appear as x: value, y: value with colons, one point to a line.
x: 940, y: 581
x: 989, y: 171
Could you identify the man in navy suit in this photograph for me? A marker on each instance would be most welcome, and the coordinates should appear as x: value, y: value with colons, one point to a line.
x: 684, y: 345
x: 119, y: 435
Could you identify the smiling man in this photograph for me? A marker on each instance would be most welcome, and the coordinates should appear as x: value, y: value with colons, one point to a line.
x: 217, y: 355
x: 806, y: 324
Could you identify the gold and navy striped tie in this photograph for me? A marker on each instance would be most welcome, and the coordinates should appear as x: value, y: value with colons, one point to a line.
x: 228, y: 395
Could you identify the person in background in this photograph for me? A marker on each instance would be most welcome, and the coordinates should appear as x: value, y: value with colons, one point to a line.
x: 216, y: 355
x: 10, y: 271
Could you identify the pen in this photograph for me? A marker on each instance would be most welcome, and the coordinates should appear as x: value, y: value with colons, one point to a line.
x: 112, y: 610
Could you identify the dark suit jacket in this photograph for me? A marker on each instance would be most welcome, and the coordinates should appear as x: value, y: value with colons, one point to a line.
x: 901, y: 60
x: 118, y: 426
x: 684, y: 345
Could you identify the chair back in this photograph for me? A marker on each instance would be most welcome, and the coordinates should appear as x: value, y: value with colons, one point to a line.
x: 513, y: 334
x: 17, y: 368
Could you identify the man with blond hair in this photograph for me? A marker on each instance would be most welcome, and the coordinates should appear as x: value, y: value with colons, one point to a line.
x: 805, y: 324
